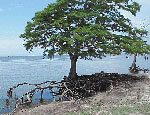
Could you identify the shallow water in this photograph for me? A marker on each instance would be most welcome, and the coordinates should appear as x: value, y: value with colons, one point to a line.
x: 35, y: 69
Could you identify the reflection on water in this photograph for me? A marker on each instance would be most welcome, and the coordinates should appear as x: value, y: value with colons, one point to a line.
x: 35, y: 69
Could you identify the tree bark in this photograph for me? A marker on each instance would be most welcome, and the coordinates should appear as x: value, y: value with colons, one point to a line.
x: 73, y: 59
x: 133, y: 66
x: 134, y: 62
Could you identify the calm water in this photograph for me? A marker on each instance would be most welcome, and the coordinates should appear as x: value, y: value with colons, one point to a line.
x: 34, y: 69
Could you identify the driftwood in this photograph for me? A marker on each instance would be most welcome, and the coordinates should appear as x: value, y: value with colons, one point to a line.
x: 74, y: 88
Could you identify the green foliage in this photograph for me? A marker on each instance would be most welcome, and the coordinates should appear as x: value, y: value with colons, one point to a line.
x: 85, y: 28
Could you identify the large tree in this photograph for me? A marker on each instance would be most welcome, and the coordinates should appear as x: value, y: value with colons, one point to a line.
x: 84, y: 28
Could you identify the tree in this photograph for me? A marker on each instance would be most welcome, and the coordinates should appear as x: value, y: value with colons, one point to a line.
x: 85, y: 28
x: 134, y: 68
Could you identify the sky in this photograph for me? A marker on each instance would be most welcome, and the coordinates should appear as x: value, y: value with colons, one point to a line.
x: 14, y: 15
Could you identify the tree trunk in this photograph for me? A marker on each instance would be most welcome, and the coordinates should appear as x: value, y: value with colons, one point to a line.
x: 133, y: 67
x: 134, y: 62
x: 73, y: 59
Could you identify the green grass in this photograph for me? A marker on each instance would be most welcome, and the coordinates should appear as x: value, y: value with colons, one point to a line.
x: 124, y: 110
x: 78, y: 114
x: 95, y: 108
x: 143, y: 108
x: 121, y: 110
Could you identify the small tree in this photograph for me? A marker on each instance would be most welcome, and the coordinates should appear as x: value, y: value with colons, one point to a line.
x: 134, y: 68
x: 85, y: 28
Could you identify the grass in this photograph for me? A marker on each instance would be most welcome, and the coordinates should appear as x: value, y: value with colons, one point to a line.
x: 78, y: 114
x: 125, y: 110
x: 120, y: 110
x: 95, y: 108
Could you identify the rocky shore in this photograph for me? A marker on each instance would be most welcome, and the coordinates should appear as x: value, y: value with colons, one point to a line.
x: 133, y: 99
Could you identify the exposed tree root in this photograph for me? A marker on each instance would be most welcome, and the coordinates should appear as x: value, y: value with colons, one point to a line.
x: 74, y: 88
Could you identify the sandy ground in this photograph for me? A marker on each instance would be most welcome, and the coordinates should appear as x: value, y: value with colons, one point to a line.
x: 113, y: 102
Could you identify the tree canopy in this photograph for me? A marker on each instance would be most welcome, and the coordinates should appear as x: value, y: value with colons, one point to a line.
x: 86, y: 28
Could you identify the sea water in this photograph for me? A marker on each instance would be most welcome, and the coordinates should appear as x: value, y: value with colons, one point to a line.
x: 35, y: 69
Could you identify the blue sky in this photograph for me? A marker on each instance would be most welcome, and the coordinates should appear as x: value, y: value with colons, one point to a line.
x: 14, y: 15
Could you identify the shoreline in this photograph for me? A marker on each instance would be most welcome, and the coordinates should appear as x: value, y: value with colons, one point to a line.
x: 66, y: 106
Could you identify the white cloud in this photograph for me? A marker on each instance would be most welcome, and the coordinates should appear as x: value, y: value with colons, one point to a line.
x: 14, y: 47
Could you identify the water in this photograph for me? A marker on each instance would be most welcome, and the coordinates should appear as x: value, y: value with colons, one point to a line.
x: 35, y: 69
